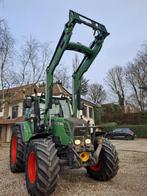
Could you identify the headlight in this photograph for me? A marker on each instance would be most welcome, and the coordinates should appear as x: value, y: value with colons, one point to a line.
x: 87, y: 141
x: 77, y: 142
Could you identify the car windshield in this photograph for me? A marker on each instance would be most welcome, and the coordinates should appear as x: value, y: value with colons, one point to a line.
x: 117, y: 130
x: 124, y: 130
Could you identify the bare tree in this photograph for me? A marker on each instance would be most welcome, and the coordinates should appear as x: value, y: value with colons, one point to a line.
x: 136, y: 77
x: 6, y: 46
x: 61, y: 74
x: 115, y: 80
x: 11, y: 78
x: 84, y: 81
x: 136, y: 93
x: 96, y: 93
x: 34, y: 59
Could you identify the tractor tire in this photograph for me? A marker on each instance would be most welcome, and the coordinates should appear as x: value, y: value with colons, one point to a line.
x: 42, y: 167
x: 108, y: 164
x: 17, y: 149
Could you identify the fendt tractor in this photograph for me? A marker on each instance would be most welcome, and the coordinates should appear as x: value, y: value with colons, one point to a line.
x: 52, y: 134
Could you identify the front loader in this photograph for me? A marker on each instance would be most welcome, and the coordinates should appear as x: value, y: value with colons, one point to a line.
x: 52, y: 134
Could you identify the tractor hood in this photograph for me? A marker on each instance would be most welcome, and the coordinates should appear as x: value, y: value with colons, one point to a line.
x: 77, y: 127
x: 76, y: 122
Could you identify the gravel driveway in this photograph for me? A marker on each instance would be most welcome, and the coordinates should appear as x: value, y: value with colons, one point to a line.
x: 131, y: 179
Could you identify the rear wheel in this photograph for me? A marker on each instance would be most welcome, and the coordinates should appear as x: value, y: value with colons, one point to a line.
x: 42, y: 167
x: 17, y: 148
x: 107, y: 166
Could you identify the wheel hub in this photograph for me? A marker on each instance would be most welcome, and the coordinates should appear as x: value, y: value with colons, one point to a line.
x: 96, y: 167
x: 14, y: 149
x: 32, y: 167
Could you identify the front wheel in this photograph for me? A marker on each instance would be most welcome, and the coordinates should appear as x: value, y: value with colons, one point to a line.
x: 107, y: 166
x: 42, y: 167
x: 17, y: 148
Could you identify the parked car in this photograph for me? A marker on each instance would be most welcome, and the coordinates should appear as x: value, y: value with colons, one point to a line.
x: 121, y: 133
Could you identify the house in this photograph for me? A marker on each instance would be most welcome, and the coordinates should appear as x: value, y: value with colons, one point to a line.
x: 11, y: 109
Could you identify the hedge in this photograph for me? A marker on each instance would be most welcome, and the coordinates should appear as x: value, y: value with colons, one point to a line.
x: 139, y: 118
x: 108, y: 126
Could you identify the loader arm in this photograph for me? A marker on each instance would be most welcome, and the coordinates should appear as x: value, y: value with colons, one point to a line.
x: 82, y: 68
x: 64, y: 44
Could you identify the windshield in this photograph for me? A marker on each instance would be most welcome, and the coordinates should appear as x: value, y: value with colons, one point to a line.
x: 65, y: 108
x: 117, y: 130
x: 60, y: 108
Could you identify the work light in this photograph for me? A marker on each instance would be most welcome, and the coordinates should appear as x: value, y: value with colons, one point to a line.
x: 88, y: 141
x: 77, y: 141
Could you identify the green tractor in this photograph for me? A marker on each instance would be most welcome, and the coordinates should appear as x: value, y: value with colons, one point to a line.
x: 52, y: 134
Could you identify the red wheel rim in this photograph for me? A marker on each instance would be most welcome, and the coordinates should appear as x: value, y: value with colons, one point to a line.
x: 14, y: 149
x: 32, y: 167
x: 96, y: 167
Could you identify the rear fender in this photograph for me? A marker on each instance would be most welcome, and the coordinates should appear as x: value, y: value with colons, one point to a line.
x: 39, y: 136
x: 21, y: 128
x: 36, y: 136
x: 26, y: 128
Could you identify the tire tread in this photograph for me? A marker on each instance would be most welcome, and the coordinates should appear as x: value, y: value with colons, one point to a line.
x: 109, y: 163
x: 47, y: 167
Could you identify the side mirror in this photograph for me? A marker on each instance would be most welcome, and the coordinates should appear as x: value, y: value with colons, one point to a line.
x: 27, y: 103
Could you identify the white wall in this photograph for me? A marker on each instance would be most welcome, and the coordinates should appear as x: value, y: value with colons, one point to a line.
x: 20, y: 109
x: 9, y: 132
x: 2, y: 113
x: 87, y: 117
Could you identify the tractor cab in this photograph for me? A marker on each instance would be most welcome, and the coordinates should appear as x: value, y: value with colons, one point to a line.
x: 61, y: 107
x: 35, y: 105
x: 34, y: 108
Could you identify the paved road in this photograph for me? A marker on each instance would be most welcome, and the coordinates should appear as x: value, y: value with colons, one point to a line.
x: 131, y: 179
x: 137, y: 145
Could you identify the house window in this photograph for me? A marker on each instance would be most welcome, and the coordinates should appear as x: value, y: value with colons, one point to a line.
x: 1, y: 106
x: 90, y: 112
x: 15, y: 111
x: 85, y: 111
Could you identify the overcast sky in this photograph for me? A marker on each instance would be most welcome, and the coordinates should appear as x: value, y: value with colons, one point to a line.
x: 125, y: 20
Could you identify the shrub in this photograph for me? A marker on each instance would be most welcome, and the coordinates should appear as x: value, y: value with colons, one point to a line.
x: 125, y: 118
x: 108, y: 126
